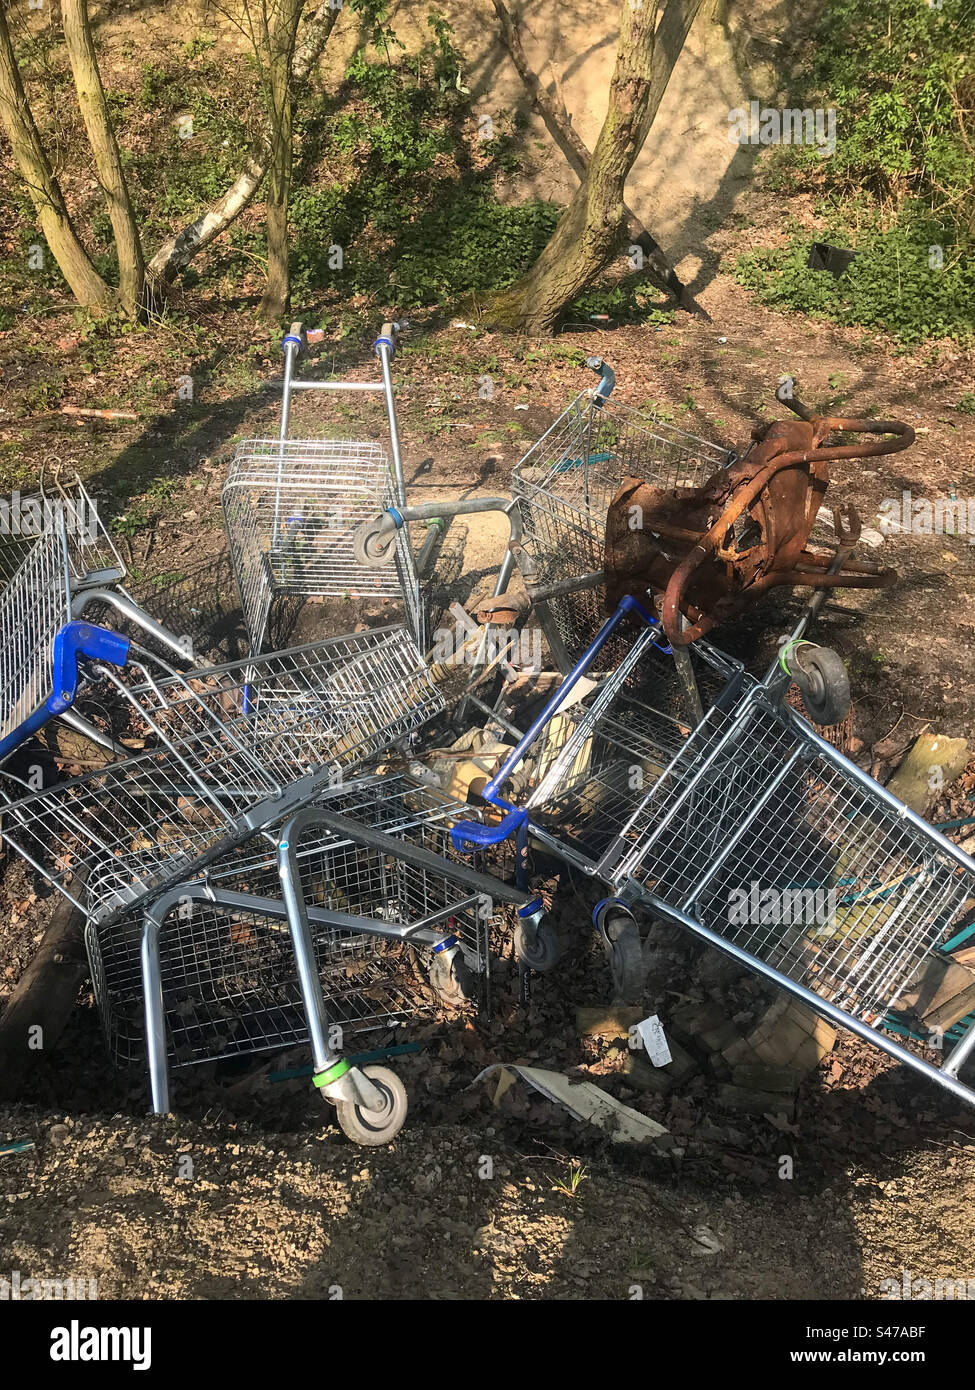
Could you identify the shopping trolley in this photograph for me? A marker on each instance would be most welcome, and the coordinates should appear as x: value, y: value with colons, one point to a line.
x: 58, y: 561
x: 755, y: 834
x: 354, y: 916
x: 561, y: 490
x: 292, y: 507
x: 227, y: 750
x: 586, y: 761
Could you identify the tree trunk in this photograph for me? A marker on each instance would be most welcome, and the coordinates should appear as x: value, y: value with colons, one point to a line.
x: 101, y: 134
x: 87, y: 286
x: 591, y: 227
x: 176, y: 252
x: 558, y: 122
x: 280, y: 40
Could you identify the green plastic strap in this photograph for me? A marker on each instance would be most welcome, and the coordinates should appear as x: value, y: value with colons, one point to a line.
x: 330, y: 1074
x: 791, y: 647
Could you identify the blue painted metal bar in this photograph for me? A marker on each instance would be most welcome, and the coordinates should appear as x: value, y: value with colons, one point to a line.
x: 467, y: 835
x: 74, y: 640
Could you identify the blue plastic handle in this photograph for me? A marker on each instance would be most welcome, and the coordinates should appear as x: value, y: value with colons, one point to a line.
x: 469, y: 835
x: 74, y: 639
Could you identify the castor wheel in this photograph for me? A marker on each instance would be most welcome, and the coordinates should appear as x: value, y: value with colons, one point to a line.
x: 824, y: 684
x: 625, y: 952
x: 371, y: 545
x: 453, y: 981
x: 381, y: 1125
x: 538, y: 946
x: 624, y: 949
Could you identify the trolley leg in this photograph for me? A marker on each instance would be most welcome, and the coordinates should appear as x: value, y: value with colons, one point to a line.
x: 384, y: 352
x: 332, y: 1073
x: 95, y: 735
x: 155, y: 1013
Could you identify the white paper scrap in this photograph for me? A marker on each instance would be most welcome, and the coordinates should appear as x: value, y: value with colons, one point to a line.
x: 651, y: 1030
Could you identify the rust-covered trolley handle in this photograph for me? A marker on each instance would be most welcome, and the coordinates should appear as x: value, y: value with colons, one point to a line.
x: 898, y: 436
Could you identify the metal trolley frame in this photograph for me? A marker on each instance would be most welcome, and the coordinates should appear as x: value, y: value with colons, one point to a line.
x: 292, y: 507
x: 853, y: 889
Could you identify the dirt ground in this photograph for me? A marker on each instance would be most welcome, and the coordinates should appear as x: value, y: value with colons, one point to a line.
x: 274, y: 1202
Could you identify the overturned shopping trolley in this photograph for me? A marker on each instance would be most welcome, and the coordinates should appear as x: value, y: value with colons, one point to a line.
x: 751, y: 801
x: 227, y: 750
x: 52, y: 578
x: 563, y: 487
x: 230, y: 752
x: 291, y: 508
x: 353, y: 916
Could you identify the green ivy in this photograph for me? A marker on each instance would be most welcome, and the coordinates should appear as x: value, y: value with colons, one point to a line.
x: 892, y: 284
x: 412, y: 195
x: 901, y: 77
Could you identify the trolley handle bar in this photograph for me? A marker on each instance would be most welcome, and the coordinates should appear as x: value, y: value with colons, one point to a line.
x: 73, y: 641
x: 373, y: 540
x: 464, y: 832
x: 607, y: 380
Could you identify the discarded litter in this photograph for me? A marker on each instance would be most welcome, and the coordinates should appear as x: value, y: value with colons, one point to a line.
x: 584, y: 1101
x: 654, y: 1039
x: 320, y: 845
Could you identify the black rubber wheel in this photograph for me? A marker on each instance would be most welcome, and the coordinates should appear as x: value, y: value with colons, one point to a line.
x: 380, y: 1126
x: 453, y: 981
x: 624, y: 951
x: 540, y: 951
x: 823, y: 684
x: 372, y: 549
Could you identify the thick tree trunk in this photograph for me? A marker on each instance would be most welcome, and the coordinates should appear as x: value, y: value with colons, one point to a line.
x: 87, y: 286
x: 176, y: 252
x: 277, y: 291
x: 101, y: 134
x: 591, y: 228
x: 552, y: 109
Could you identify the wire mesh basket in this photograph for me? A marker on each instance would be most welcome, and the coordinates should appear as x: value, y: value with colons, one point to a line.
x: 772, y: 839
x: 291, y: 511
x: 596, y: 758
x: 755, y: 834
x: 230, y: 983
x: 227, y: 750
x: 564, y: 485
x: 34, y: 607
x: 61, y: 507
x: 66, y: 569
